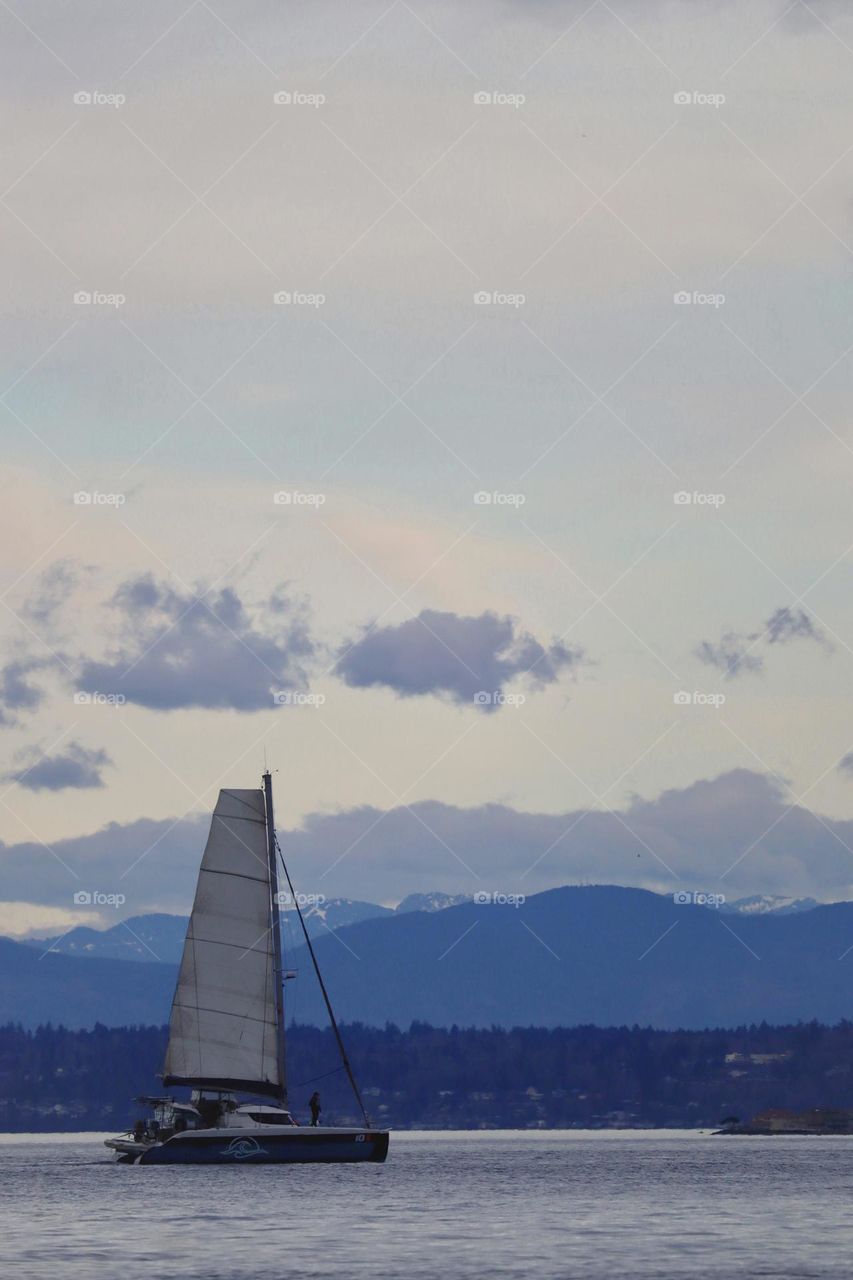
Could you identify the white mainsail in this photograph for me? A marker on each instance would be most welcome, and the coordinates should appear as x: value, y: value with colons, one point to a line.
x: 224, y: 1030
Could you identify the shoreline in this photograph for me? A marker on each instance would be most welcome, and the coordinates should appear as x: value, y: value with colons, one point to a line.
x: 8, y: 1138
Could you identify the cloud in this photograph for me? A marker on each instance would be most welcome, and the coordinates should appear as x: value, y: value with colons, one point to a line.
x: 210, y: 649
x: 792, y: 624
x: 734, y: 653
x: 736, y: 834
x: 453, y: 656
x: 845, y: 764
x: 52, y: 590
x: 731, y: 655
x: 154, y: 863
x: 75, y: 766
x: 16, y: 691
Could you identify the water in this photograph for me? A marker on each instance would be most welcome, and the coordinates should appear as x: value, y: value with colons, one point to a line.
x: 445, y: 1205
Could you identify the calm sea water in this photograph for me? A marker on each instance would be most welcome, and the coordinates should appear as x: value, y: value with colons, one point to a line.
x: 445, y: 1205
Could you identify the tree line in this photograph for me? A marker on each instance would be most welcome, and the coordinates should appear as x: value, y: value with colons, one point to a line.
x: 53, y: 1079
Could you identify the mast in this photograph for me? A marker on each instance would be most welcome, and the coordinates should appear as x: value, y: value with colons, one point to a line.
x: 339, y: 1039
x: 276, y: 937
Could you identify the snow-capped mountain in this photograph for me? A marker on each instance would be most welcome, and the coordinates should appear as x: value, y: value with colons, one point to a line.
x: 435, y: 901
x: 322, y: 914
x: 150, y: 937
x: 760, y: 904
x: 161, y: 937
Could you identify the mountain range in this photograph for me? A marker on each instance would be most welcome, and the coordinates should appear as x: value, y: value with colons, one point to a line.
x: 599, y: 955
x: 159, y: 937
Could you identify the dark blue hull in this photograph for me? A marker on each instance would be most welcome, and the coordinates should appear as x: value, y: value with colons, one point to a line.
x: 293, y: 1146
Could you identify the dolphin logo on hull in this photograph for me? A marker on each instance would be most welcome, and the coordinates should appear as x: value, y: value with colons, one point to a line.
x: 242, y: 1148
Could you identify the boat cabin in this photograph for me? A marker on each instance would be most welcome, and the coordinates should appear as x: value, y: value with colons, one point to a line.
x: 205, y: 1111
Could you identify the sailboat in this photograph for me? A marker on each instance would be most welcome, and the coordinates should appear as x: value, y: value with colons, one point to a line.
x: 227, y: 1038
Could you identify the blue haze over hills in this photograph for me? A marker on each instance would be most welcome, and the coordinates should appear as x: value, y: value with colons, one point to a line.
x: 600, y: 955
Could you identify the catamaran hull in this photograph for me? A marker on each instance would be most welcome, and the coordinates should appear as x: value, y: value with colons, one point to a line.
x: 308, y: 1146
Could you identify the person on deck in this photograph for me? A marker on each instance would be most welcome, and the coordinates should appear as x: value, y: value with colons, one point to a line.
x: 314, y: 1104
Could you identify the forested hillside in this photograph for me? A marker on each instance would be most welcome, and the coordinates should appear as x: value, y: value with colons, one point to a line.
x: 58, y: 1080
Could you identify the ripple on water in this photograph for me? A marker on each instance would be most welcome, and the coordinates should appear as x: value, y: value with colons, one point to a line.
x: 655, y: 1206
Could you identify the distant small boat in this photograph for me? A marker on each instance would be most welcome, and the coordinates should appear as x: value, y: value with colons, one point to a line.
x: 226, y: 1031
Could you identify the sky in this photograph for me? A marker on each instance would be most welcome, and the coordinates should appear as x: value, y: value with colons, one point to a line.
x: 447, y: 406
